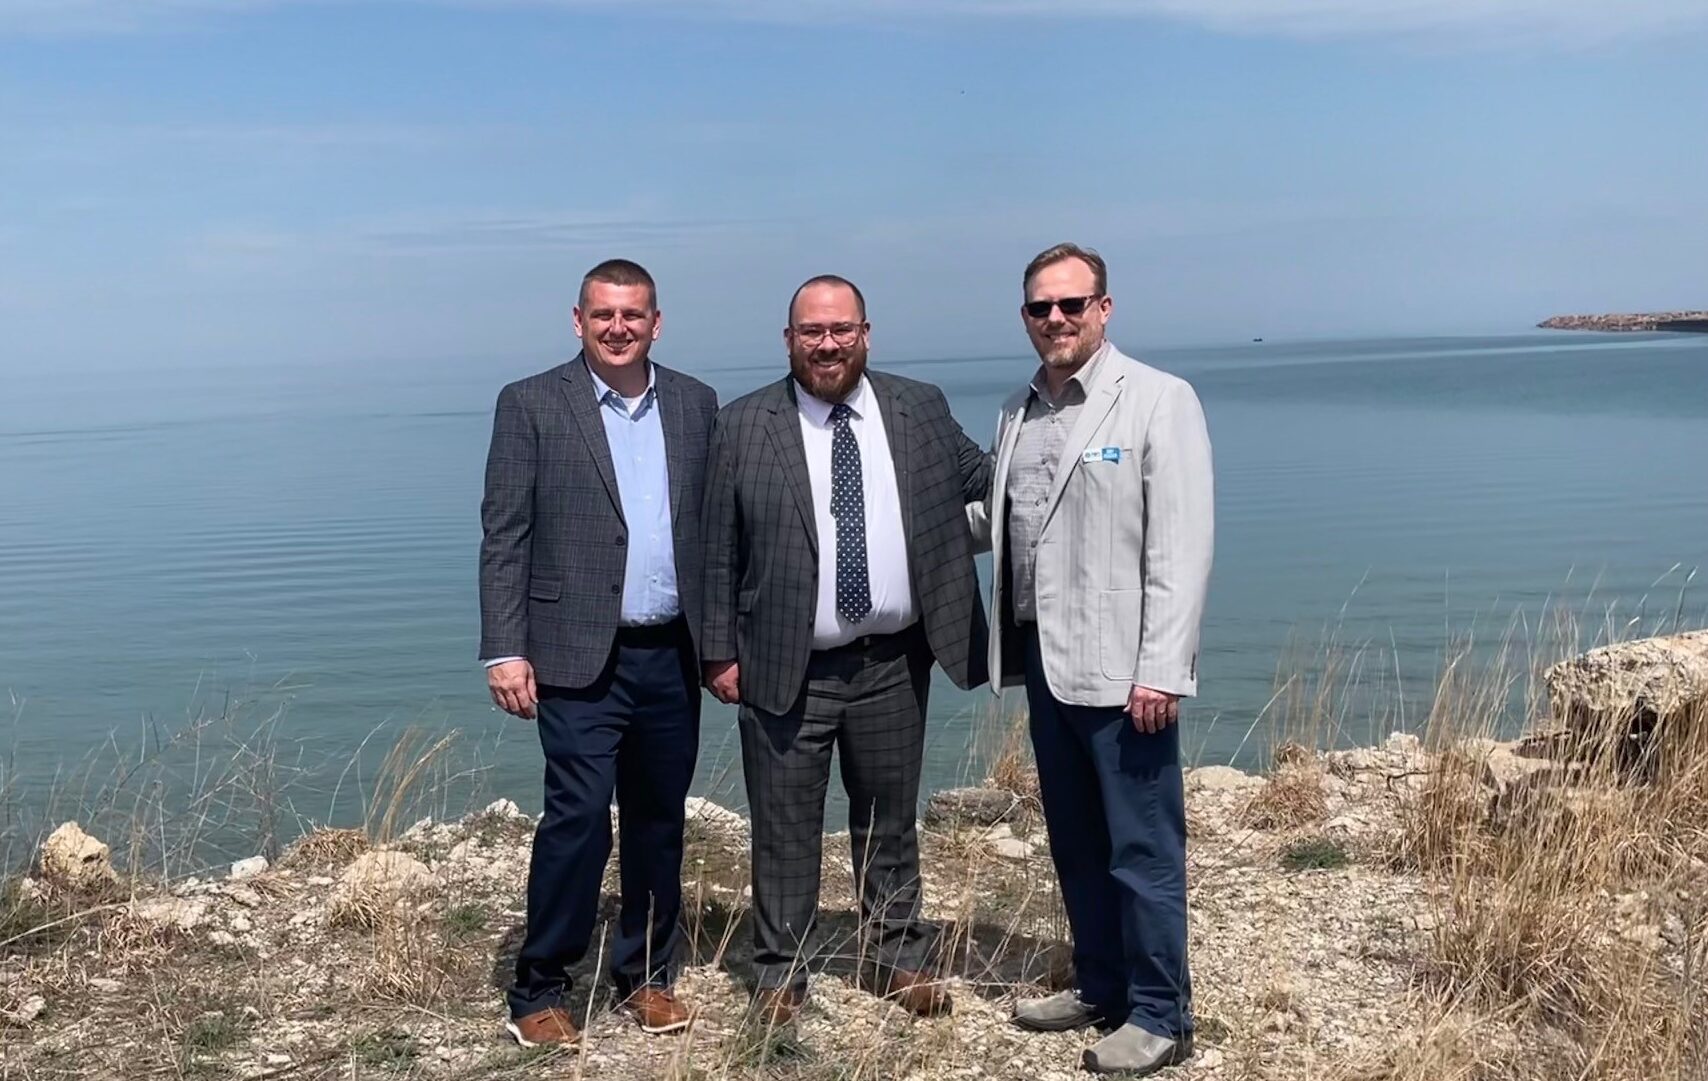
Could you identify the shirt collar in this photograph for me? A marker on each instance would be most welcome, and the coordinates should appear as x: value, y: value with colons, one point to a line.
x: 1086, y: 373
x: 818, y: 410
x: 601, y: 391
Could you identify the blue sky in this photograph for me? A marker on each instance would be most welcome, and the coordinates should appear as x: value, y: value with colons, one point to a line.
x: 237, y: 182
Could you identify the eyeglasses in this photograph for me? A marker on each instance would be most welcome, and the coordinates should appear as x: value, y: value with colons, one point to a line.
x: 840, y: 333
x: 1070, y: 306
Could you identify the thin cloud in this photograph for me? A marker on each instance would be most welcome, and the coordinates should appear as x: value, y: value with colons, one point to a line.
x: 546, y: 232
x: 1566, y: 21
x: 254, y: 245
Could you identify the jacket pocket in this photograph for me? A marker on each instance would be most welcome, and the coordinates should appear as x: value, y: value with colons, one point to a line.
x: 544, y: 589
x: 1120, y: 625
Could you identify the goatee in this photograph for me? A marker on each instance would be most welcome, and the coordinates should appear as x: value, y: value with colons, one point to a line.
x: 834, y: 385
x: 1082, y: 351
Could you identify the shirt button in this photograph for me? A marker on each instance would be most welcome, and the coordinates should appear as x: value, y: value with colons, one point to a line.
x: 619, y: 589
x: 621, y: 540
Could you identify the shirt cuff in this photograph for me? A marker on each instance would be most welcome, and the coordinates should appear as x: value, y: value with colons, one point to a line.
x: 494, y: 662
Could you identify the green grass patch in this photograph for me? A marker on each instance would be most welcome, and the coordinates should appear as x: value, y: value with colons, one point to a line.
x: 19, y: 915
x: 1315, y: 854
x: 205, y: 1038
x: 212, y: 1033
x: 759, y: 1047
x: 36, y: 923
x: 386, y: 1049
x: 467, y: 921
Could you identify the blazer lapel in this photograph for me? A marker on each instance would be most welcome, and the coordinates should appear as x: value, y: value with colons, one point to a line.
x: 1099, y: 400
x: 791, y: 451
x: 898, y: 430
x: 584, y: 410
x: 1004, y: 461
x: 674, y: 419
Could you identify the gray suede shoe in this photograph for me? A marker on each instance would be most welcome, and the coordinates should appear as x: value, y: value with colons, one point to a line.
x: 1058, y: 1013
x: 1133, y: 1051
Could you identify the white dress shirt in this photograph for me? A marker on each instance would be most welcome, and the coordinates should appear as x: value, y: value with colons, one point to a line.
x: 886, y: 546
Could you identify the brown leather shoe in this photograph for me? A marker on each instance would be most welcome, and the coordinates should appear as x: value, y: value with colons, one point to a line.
x: 920, y: 993
x: 777, y: 1006
x: 546, y: 1027
x: 657, y: 1010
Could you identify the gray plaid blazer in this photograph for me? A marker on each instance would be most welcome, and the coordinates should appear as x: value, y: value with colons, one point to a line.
x: 762, y: 538
x: 552, y: 552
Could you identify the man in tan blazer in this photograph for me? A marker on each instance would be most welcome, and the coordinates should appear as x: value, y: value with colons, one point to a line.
x: 1100, y: 523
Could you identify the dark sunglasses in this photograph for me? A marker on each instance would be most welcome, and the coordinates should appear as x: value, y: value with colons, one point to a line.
x: 1040, y: 309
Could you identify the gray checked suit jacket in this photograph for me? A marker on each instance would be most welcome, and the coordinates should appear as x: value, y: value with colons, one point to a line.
x: 762, y: 538
x: 552, y: 553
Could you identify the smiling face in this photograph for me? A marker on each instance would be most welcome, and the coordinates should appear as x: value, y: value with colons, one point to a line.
x: 828, y: 339
x: 617, y: 324
x: 1065, y: 340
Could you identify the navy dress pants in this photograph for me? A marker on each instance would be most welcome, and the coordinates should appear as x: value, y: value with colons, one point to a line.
x: 635, y: 731
x: 1115, y: 810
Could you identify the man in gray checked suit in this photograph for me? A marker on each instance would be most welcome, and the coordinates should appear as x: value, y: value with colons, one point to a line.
x: 1100, y: 520
x: 839, y: 566
x: 590, y: 605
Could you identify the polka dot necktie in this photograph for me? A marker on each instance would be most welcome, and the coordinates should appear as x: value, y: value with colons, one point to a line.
x: 848, y: 507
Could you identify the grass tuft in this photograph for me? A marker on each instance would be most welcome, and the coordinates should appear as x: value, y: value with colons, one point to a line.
x: 1292, y: 798
x: 386, y: 1049
x: 1315, y: 854
x: 466, y: 921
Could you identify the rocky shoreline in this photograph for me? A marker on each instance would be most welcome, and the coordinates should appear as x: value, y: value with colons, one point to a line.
x: 1683, y: 321
x: 1461, y: 910
x: 345, y: 960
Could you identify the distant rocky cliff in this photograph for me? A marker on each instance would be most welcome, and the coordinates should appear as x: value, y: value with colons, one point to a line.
x: 1696, y: 321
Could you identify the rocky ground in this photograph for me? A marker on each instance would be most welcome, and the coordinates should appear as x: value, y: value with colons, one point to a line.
x: 345, y: 960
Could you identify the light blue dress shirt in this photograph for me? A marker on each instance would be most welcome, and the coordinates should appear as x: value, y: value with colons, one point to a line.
x: 636, y: 439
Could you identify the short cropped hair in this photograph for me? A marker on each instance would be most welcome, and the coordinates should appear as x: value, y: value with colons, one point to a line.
x: 620, y: 272
x: 829, y: 279
x: 1063, y: 252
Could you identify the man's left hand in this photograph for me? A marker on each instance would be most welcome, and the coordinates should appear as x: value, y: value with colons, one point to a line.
x: 1152, y: 711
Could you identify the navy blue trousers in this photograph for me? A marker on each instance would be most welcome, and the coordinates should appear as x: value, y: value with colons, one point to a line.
x: 636, y: 732
x: 1115, y: 809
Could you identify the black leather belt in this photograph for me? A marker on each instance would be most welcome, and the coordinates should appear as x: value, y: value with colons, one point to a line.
x: 653, y: 635
x: 873, y: 647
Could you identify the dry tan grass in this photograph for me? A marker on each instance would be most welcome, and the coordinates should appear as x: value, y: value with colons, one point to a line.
x: 326, y: 846
x: 1538, y: 921
x: 408, y: 963
x: 1291, y: 799
x: 411, y: 777
x: 1450, y: 1045
x: 1012, y: 768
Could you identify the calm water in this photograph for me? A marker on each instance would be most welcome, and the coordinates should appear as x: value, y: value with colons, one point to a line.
x: 300, y: 543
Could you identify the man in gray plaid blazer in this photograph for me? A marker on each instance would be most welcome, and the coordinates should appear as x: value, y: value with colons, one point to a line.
x: 590, y: 605
x: 839, y: 566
